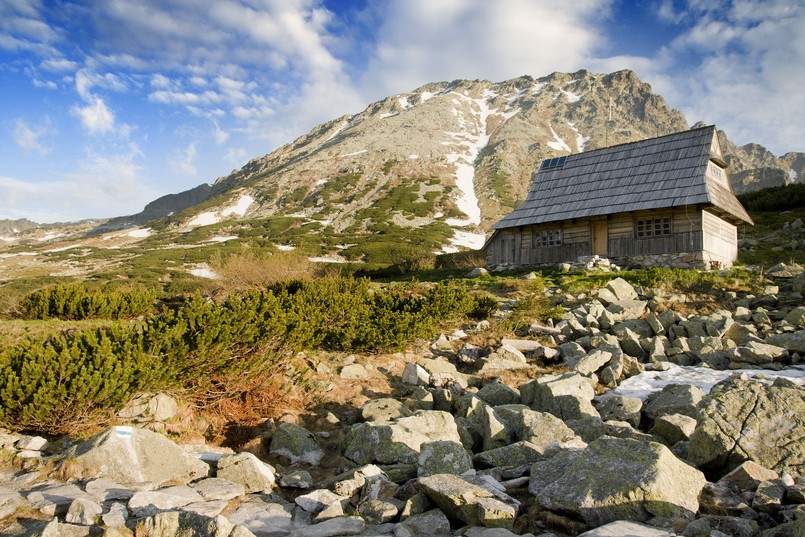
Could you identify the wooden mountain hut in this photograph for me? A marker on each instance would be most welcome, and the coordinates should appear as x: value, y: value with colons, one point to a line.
x: 664, y: 201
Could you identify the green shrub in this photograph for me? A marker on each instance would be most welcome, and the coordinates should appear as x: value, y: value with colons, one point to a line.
x: 213, y: 352
x: 77, y: 302
x: 74, y: 380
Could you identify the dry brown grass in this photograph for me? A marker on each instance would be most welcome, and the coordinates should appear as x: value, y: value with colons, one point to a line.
x: 251, y: 270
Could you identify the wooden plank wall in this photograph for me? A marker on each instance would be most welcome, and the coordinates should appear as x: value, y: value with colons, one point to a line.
x: 720, y: 238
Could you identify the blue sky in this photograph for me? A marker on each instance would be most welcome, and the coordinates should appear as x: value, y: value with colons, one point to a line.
x: 109, y: 104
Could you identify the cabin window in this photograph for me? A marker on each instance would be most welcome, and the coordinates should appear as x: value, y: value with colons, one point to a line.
x: 717, y: 173
x: 547, y: 237
x: 654, y: 227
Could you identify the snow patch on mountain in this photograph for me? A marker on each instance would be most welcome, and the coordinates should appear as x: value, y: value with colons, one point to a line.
x: 203, y: 270
x: 581, y: 140
x: 240, y: 207
x: 557, y: 143
x: 473, y: 139
x: 207, y: 218
x: 140, y: 233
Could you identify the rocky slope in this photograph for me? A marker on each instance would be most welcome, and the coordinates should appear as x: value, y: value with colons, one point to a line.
x: 627, y: 441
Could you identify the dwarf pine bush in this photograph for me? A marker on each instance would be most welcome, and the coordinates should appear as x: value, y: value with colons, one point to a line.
x: 76, y: 302
x: 211, y: 351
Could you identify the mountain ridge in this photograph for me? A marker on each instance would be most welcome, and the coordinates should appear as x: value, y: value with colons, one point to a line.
x: 434, y: 167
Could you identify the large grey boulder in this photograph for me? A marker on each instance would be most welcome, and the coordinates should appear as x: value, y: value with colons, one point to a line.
x: 567, y: 396
x: 350, y: 525
x: 296, y: 444
x: 146, y: 503
x: 10, y: 501
x: 264, y: 518
x: 467, y: 501
x: 132, y: 455
x: 398, y: 442
x: 186, y: 524
x: 791, y: 341
x: 622, y: 289
x: 674, y: 399
x: 443, y: 457
x: 623, y: 528
x: 247, y: 470
x: 744, y: 420
x: 619, y: 479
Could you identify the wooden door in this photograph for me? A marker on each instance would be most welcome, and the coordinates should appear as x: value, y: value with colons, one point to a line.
x: 600, y: 238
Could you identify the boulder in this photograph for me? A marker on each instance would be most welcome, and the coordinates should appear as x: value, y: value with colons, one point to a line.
x: 619, y: 479
x: 623, y: 528
x: 743, y: 420
x: 622, y: 289
x: 674, y: 399
x: 264, y: 518
x: 791, y: 341
x: 83, y: 511
x: 757, y: 353
x: 296, y: 444
x: 400, y: 441
x: 567, y: 396
x: 132, y: 455
x: 247, y: 470
x: 510, y: 456
x: 592, y: 361
x: 10, y: 501
x: 384, y: 410
x: 150, y: 502
x: 431, y: 523
x: 443, y: 457
x: 350, y: 525
x: 674, y: 427
x: 186, y: 524
x: 621, y: 408
x: 747, y: 476
x: 467, y: 501
x: 710, y: 525
x: 215, y: 488
x: 496, y: 393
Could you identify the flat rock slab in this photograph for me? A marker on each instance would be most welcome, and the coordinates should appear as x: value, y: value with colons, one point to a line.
x: 400, y: 441
x: 331, y: 528
x: 467, y: 501
x: 618, y: 479
x: 131, y: 455
x: 743, y: 420
x: 622, y: 528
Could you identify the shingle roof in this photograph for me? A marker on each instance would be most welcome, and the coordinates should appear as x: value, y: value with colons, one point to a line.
x: 663, y: 172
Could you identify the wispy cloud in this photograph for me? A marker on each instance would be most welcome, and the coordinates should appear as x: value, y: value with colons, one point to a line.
x: 29, y: 137
x: 106, y: 185
x: 747, y: 73
x: 423, y: 41
x: 183, y: 162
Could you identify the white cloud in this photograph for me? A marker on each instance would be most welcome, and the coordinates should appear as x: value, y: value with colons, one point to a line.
x: 748, y: 78
x: 423, y: 41
x: 106, y: 185
x: 237, y: 156
x: 29, y: 137
x: 183, y: 162
x: 95, y: 116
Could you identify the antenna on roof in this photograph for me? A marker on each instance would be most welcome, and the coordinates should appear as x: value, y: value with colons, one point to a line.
x: 606, y: 127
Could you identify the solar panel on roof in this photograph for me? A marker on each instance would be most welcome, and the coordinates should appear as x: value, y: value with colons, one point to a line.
x: 555, y: 162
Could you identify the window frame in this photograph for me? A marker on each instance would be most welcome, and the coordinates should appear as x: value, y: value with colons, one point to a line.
x: 657, y: 226
x: 547, y: 238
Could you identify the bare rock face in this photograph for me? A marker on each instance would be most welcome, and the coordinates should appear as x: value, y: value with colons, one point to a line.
x: 619, y: 479
x: 400, y: 441
x: 741, y: 420
x: 132, y: 455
